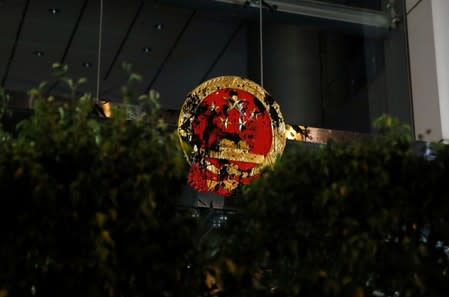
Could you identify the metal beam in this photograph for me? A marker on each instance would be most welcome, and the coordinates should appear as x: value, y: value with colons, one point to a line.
x: 322, y: 10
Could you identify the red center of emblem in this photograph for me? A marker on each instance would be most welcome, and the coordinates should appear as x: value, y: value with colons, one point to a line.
x: 231, y: 134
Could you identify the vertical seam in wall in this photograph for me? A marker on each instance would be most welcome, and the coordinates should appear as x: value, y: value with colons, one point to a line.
x: 125, y: 39
x: 438, y: 79
x: 432, y: 43
x: 409, y: 78
x: 69, y: 43
x: 222, y: 51
x: 321, y: 49
x: 16, y: 41
x: 171, y: 50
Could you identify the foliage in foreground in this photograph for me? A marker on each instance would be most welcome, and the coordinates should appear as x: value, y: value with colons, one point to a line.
x: 88, y: 205
x: 88, y: 209
x: 348, y: 219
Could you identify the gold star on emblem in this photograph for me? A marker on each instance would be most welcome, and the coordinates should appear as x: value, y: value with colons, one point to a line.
x: 241, y: 124
x: 224, y: 122
x: 234, y: 102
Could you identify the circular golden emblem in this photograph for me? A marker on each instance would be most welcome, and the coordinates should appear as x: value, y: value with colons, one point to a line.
x: 230, y: 128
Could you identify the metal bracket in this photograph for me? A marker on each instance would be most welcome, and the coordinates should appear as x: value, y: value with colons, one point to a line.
x: 391, y: 9
x: 270, y: 7
x: 319, y: 9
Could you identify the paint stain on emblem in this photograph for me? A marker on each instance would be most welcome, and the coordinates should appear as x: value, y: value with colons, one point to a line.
x: 230, y: 128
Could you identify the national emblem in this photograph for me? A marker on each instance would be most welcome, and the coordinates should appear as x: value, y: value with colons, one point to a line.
x: 234, y: 129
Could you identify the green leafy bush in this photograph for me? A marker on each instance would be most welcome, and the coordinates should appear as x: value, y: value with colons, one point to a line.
x: 355, y: 219
x: 87, y: 204
x: 88, y: 208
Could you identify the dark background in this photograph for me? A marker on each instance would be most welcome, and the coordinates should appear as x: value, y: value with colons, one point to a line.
x: 324, y: 73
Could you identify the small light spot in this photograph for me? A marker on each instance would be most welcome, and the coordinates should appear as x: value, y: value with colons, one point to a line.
x: 159, y: 27
x: 87, y: 64
x: 38, y: 53
x: 146, y: 50
x: 53, y: 11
